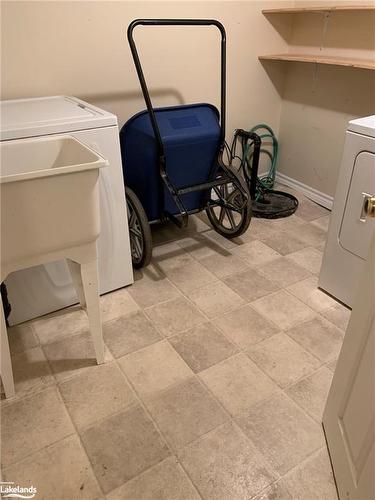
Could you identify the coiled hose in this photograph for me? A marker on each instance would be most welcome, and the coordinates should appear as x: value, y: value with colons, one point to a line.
x: 265, y: 182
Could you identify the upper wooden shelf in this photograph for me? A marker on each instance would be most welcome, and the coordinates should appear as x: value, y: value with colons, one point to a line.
x: 336, y: 8
x: 322, y: 59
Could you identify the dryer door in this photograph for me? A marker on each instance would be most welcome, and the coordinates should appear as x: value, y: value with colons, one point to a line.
x: 356, y: 229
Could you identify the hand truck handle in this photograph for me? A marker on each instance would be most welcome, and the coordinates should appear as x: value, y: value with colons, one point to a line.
x: 142, y: 81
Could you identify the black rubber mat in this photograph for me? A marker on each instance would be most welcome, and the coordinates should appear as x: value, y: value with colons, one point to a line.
x: 274, y: 205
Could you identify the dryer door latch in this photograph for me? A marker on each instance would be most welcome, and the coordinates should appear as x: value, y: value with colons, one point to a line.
x: 368, y: 207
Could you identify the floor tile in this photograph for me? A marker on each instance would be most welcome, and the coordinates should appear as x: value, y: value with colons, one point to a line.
x: 104, y: 390
x: 308, y: 234
x: 197, y: 223
x: 31, y: 424
x: 21, y: 337
x: 154, y: 273
x: 309, y: 258
x: 147, y: 291
x: 219, y: 240
x: 318, y: 336
x: 284, y: 242
x: 259, y: 229
x: 60, y: 325
x: 339, y: 315
x: 285, y: 223
x: 215, y: 299
x: 123, y: 446
x: 250, y: 285
x: 238, y: 383
x: 250, y: 235
x: 278, y: 491
x: 116, y: 304
x: 200, y: 246
x: 31, y: 371
x: 283, y: 309
x: 191, y: 275
x: 72, y: 356
x: 313, y: 479
x: 311, y: 393
x: 168, y: 232
x: 169, y: 250
x: 130, y: 458
x: 283, y: 359
x: 256, y: 253
x: 224, y: 465
x: 164, y: 481
x: 43, y: 470
x: 283, y: 271
x: 170, y: 256
x: 174, y: 316
x: 154, y: 368
x: 128, y: 334
x: 202, y: 346
x: 322, y: 222
x: 282, y: 432
x: 185, y: 412
x: 308, y: 210
x: 307, y: 290
x: 223, y: 265
x: 245, y: 327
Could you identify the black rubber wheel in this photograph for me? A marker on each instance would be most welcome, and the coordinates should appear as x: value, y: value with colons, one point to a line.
x: 230, y: 223
x: 139, y: 231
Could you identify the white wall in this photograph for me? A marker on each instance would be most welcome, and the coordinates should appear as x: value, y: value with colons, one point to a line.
x: 80, y: 48
x: 318, y: 101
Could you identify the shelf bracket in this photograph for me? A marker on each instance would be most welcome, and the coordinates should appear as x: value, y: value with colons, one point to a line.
x: 326, y: 18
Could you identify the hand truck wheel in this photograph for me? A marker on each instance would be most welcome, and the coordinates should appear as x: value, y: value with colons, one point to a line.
x: 139, y: 231
x: 229, y: 212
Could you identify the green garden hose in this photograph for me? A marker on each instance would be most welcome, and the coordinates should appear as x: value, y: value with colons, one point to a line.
x: 267, y: 203
x: 265, y: 182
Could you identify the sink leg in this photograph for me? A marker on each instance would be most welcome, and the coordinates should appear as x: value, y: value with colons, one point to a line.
x: 75, y: 272
x: 6, y: 363
x: 89, y: 276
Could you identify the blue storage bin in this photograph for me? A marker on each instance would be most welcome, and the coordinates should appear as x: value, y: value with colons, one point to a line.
x: 191, y: 138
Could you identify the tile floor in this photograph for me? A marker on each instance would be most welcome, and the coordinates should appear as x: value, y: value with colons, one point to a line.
x: 219, y: 361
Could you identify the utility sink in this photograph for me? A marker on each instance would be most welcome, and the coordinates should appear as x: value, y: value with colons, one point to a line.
x: 49, y: 197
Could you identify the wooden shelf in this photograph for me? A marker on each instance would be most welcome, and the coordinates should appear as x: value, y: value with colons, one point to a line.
x: 301, y: 10
x: 322, y: 59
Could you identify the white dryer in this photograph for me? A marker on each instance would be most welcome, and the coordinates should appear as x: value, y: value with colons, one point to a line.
x: 43, y: 289
x: 350, y: 231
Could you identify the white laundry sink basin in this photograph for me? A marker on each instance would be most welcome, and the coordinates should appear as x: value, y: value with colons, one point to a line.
x: 49, y: 197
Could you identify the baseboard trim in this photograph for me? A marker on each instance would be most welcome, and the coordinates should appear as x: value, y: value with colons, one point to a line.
x: 311, y: 193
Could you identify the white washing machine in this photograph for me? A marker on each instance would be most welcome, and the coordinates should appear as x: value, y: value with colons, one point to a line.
x: 43, y: 289
x: 350, y: 231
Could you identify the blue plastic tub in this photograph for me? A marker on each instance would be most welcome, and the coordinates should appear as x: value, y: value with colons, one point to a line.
x: 191, y: 138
